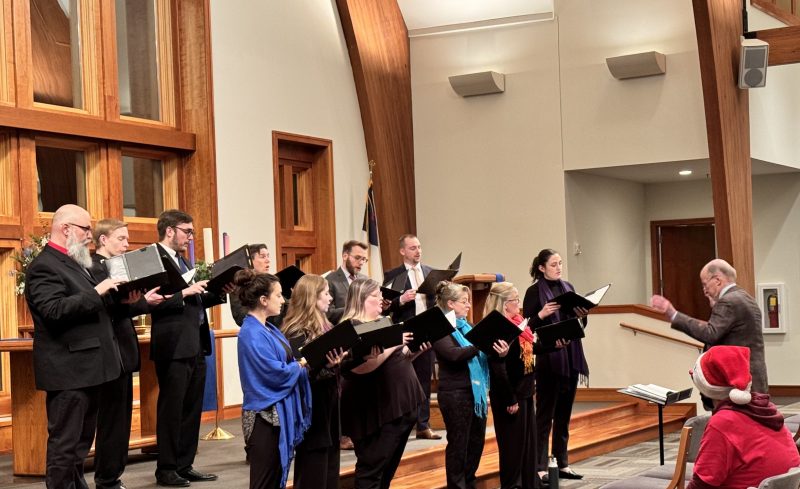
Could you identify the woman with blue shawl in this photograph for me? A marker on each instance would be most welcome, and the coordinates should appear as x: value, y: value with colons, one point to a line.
x: 557, y: 372
x: 276, y: 410
x: 463, y: 388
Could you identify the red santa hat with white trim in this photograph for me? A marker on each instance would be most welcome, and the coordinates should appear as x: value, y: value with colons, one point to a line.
x: 724, y: 372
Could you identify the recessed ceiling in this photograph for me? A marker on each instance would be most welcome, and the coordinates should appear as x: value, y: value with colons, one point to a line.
x: 423, y: 14
x: 668, y: 171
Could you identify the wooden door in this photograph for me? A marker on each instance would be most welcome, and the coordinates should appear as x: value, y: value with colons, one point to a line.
x: 679, y: 251
x: 304, y: 213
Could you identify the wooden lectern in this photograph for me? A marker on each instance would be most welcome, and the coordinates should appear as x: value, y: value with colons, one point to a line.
x: 479, y: 285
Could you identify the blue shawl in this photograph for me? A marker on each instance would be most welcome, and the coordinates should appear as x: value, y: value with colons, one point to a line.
x: 478, y: 369
x: 271, y: 377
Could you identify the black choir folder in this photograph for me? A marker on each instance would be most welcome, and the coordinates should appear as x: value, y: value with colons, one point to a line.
x: 342, y: 336
x: 140, y: 269
x: 428, y: 286
x: 224, y: 269
x: 656, y: 393
x: 390, y: 294
x: 571, y: 329
x: 288, y: 278
x: 431, y: 325
x: 381, y: 332
x: 570, y: 300
x: 491, y: 328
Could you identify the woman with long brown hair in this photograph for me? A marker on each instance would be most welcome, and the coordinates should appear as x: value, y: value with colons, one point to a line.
x: 317, y: 457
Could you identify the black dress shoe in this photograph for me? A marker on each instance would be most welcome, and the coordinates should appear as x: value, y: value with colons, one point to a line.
x: 195, y: 476
x: 171, y: 479
x: 569, y: 474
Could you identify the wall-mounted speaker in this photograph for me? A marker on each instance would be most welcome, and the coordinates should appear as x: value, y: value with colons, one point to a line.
x: 482, y: 83
x: 753, y: 63
x: 637, y: 65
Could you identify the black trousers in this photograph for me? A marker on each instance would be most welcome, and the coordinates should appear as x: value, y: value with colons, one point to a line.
x: 179, y: 407
x: 466, y: 434
x: 265, y: 456
x: 316, y: 468
x: 71, y: 419
x: 516, y: 445
x: 113, y: 431
x: 554, y: 399
x: 423, y: 367
x: 379, y: 454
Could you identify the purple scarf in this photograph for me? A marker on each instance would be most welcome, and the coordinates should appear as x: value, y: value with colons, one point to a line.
x: 569, y: 361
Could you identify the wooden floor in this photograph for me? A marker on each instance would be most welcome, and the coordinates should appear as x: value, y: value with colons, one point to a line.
x: 617, y: 424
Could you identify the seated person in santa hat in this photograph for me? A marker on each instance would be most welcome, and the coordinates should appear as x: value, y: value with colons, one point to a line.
x: 745, y: 440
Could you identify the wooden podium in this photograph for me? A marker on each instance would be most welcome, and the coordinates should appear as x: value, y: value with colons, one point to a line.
x: 479, y: 285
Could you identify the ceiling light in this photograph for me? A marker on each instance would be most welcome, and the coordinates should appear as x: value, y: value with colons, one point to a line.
x: 684, y: 173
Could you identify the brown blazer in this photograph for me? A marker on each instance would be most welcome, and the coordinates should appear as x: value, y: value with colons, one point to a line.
x: 735, y: 320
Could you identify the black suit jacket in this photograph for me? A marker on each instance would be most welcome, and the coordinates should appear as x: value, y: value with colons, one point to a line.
x: 121, y: 315
x: 180, y: 327
x: 338, y: 286
x: 397, y: 279
x: 73, y: 339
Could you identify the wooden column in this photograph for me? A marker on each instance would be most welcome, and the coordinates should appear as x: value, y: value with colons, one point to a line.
x: 377, y: 40
x: 718, y: 24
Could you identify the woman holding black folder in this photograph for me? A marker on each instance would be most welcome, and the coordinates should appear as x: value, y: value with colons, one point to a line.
x: 463, y: 389
x: 511, y: 395
x: 380, y: 395
x: 317, y: 456
x: 557, y: 372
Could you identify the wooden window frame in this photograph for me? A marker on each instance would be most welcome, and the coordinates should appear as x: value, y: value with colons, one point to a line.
x: 6, y: 53
x: 8, y: 315
x: 165, y: 40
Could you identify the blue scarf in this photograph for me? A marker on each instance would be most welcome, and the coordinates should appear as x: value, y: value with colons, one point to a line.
x: 478, y: 369
x: 270, y: 376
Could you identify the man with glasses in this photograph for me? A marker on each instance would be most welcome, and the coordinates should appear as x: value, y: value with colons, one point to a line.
x: 75, y: 351
x: 180, y: 341
x: 735, y: 318
x: 354, y: 256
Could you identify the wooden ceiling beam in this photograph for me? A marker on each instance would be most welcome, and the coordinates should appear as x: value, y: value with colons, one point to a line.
x: 784, y: 44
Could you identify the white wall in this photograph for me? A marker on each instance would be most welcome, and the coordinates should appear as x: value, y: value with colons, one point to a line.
x: 609, y: 122
x: 488, y: 169
x: 604, y: 218
x: 280, y: 66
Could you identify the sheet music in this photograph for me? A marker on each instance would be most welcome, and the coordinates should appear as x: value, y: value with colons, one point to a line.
x: 116, y: 268
x: 189, y: 276
x: 597, y: 295
x: 451, y: 317
x: 523, y: 324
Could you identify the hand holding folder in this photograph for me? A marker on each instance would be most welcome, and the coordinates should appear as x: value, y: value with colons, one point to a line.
x: 342, y: 336
x: 570, y: 300
x: 427, y: 327
x: 490, y: 329
x: 571, y: 329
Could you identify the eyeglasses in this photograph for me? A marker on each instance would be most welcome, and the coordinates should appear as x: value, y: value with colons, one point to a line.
x: 85, y: 229
x: 463, y: 301
x: 513, y: 300
x: 362, y: 259
x: 186, y: 231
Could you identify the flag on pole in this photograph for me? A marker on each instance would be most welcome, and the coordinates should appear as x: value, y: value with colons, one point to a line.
x: 210, y: 390
x: 370, y: 227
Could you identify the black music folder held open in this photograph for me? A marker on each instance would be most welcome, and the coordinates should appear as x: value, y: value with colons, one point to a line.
x: 176, y: 281
x: 224, y: 269
x: 431, y: 325
x: 141, y: 270
x: 570, y: 300
x: 390, y: 294
x: 288, y: 277
x: 342, y: 336
x: 570, y: 329
x: 381, y: 332
x: 428, y: 286
x: 491, y: 328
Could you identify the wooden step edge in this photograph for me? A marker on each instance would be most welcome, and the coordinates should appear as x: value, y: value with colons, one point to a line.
x: 605, y: 414
x: 670, y: 425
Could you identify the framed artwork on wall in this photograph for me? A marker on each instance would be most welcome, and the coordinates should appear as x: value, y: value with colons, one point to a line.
x: 772, y: 302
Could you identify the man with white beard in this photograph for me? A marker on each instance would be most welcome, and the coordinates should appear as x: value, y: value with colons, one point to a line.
x: 74, y: 351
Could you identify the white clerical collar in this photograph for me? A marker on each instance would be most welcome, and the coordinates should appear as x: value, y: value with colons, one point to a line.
x: 726, y: 289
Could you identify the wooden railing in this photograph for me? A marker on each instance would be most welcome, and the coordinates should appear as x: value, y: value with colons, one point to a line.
x: 787, y: 11
x: 639, y: 329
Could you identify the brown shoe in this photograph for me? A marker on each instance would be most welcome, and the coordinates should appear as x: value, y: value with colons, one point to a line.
x: 345, y: 443
x: 428, y: 434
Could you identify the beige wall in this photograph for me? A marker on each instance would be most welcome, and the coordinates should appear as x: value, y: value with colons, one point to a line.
x: 488, y: 169
x: 604, y: 219
x: 609, y: 122
x: 280, y: 66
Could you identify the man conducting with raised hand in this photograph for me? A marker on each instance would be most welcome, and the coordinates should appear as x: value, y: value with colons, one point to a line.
x: 735, y: 318
x: 74, y: 351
